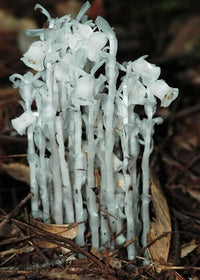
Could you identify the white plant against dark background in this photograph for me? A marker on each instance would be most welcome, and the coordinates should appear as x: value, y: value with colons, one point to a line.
x: 84, y: 136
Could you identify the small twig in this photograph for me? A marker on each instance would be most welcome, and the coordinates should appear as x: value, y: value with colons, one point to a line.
x: 15, y: 211
x: 188, y: 111
x: 177, y: 248
x: 13, y: 156
x: 154, y: 240
x: 172, y: 162
x: 61, y: 241
x: 15, y: 240
x: 189, y: 165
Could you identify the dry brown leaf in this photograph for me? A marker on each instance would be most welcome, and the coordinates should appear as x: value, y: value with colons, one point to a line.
x: 161, y: 227
x: 67, y: 231
x: 18, y: 171
x: 188, y: 248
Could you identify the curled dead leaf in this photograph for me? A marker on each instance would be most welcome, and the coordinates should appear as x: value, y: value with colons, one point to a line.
x: 188, y: 248
x: 160, y: 235
x: 18, y: 171
x: 67, y: 231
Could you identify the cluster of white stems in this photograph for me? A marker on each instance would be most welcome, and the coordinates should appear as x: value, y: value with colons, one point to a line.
x: 84, y: 136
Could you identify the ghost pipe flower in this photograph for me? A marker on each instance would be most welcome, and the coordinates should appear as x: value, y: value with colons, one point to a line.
x: 112, y: 73
x: 154, y: 88
x: 165, y: 93
x: 84, y: 136
x: 35, y: 56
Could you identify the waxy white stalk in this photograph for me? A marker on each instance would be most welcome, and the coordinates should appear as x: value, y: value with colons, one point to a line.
x: 91, y: 197
x: 64, y: 169
x: 80, y: 170
x: 112, y: 74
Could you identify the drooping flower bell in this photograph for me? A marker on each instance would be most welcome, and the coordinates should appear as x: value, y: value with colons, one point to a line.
x: 24, y: 121
x: 34, y: 57
x: 165, y: 93
x: 147, y: 71
x: 84, y: 91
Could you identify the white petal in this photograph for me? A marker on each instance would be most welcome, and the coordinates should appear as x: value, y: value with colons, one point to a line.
x: 147, y: 71
x: 95, y: 43
x: 83, y: 10
x: 43, y: 10
x: 62, y: 67
x: 24, y: 121
x: 84, y: 30
x: 104, y: 26
x: 35, y: 55
x: 136, y: 92
x: 85, y: 88
x: 165, y: 93
x: 75, y: 41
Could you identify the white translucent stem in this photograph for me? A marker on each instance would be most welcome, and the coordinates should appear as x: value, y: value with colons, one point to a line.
x: 105, y: 234
x: 109, y: 134
x: 63, y: 96
x: 79, y: 173
x: 43, y: 179
x: 32, y: 164
x: 66, y: 184
x: 91, y: 197
x: 55, y: 169
x: 104, y: 230
x: 130, y: 230
x: 135, y: 199
x: 135, y: 149
x: 51, y: 195
x: 57, y: 184
x: 125, y: 138
x: 146, y: 182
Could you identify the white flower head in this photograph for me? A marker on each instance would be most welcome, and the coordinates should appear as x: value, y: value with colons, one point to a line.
x: 85, y: 38
x: 61, y: 71
x: 84, y: 91
x: 76, y: 41
x: 136, y: 92
x: 95, y: 44
x: 34, y: 57
x: 165, y: 93
x: 24, y: 121
x: 84, y: 30
x: 147, y: 71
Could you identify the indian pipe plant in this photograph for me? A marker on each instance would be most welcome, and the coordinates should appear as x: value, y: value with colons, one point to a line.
x: 84, y: 136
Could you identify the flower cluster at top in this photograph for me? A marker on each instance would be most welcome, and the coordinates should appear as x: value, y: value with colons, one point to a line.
x: 84, y: 136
